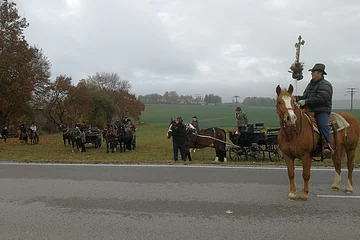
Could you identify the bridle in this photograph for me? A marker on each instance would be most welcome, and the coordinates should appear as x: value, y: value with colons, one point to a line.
x: 283, y: 123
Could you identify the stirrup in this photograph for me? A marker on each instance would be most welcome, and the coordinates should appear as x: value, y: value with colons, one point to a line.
x: 328, y: 152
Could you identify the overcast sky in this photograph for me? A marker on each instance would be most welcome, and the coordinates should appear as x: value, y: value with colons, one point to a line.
x: 227, y: 47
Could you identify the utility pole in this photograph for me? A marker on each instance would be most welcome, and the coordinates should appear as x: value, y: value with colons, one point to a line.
x: 236, y: 97
x: 352, y: 91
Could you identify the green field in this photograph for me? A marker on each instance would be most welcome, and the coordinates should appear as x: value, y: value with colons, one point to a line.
x: 158, y: 115
x: 153, y: 146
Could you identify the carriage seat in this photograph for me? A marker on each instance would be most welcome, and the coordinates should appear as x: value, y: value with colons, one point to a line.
x: 336, y: 121
x: 255, y: 127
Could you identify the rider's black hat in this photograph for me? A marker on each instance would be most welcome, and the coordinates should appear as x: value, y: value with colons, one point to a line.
x: 318, y: 67
x: 238, y: 109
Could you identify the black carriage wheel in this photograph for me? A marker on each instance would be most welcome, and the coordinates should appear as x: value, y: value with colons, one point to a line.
x: 256, y: 152
x: 274, y: 153
x: 262, y: 150
x: 237, y: 154
x: 233, y: 154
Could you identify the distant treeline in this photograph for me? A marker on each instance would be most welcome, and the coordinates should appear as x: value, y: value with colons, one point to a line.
x: 173, y: 98
x: 259, y: 101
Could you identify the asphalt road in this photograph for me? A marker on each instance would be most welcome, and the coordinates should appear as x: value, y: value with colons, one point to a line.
x: 171, y: 202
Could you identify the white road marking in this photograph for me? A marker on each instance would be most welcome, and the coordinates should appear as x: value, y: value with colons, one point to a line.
x: 338, y: 196
x: 173, y: 165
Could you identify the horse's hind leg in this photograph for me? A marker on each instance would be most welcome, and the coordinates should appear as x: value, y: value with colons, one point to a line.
x: 350, y: 164
x: 337, y: 157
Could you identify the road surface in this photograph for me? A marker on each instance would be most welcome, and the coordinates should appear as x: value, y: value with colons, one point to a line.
x: 171, y: 202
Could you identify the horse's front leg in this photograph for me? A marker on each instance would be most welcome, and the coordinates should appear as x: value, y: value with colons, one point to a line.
x: 306, y: 163
x: 291, y: 174
x: 188, y: 153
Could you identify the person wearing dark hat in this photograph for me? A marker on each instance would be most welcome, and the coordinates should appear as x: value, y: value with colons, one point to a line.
x: 178, y: 136
x: 241, y: 119
x: 195, y: 123
x: 83, y: 127
x: 317, y: 97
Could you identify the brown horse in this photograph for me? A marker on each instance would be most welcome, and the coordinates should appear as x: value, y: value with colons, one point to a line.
x: 297, y: 139
x: 69, y: 135
x: 33, y: 136
x: 23, y: 136
x: 111, y: 138
x: 209, y: 137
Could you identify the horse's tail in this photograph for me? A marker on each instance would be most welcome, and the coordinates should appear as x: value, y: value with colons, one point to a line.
x: 224, y: 135
x: 224, y: 143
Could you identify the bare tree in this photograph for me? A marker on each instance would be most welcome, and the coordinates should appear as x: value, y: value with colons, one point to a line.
x: 110, y: 81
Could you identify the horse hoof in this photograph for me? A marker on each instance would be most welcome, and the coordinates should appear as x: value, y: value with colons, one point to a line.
x: 348, y: 191
x: 333, y: 188
x: 303, y: 198
x: 292, y: 197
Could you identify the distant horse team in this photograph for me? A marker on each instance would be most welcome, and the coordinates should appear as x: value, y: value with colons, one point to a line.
x: 119, y: 134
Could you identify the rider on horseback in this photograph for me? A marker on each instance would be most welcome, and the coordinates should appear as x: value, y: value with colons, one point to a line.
x: 22, y: 130
x: 33, y: 128
x: 318, y: 97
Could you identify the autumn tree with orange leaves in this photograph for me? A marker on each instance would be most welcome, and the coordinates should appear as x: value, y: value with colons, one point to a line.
x: 24, y: 69
x: 26, y: 91
x: 65, y: 103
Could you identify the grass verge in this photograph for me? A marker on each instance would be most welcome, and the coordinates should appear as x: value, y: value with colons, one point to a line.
x: 152, y: 148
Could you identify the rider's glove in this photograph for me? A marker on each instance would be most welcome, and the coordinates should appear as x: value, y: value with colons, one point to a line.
x: 301, y: 102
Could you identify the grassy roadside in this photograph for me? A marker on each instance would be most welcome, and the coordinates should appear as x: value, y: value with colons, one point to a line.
x: 153, y: 147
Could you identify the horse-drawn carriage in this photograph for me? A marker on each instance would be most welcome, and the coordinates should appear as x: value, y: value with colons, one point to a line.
x: 93, y: 136
x: 255, y: 143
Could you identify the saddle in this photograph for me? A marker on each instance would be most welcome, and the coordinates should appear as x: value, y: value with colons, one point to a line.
x: 336, y: 123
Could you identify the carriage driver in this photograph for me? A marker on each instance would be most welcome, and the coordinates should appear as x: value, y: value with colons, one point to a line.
x: 241, y: 119
x: 195, y: 123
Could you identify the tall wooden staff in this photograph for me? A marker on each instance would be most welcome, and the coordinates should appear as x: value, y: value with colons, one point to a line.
x: 297, y: 67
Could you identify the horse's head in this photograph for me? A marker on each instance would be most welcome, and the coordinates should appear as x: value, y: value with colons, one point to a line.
x: 172, y: 125
x: 62, y: 127
x: 285, y: 105
x: 189, y: 126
